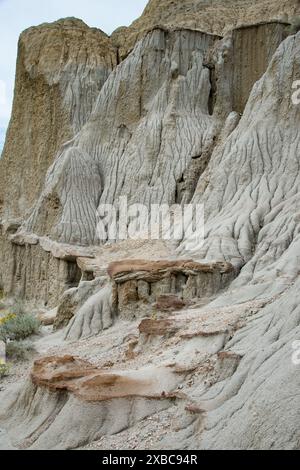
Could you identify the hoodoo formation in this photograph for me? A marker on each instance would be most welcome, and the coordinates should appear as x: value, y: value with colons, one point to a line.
x: 149, y: 343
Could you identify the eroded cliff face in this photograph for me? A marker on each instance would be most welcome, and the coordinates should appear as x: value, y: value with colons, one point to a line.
x: 214, y: 17
x: 153, y: 122
x: 140, y: 126
x: 199, y: 340
x: 61, y: 68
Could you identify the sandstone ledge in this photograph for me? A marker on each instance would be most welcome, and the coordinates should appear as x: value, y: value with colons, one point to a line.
x: 153, y: 271
x: 61, y: 251
x: 87, y: 382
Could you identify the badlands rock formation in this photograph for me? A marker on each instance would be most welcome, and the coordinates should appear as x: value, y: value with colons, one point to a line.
x: 211, y: 16
x: 184, y: 343
x: 60, y: 70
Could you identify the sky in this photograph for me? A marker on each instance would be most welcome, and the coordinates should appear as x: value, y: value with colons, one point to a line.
x: 17, y: 15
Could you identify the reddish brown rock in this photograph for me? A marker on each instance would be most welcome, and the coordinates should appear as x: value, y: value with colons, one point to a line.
x: 194, y: 409
x: 152, y: 271
x: 158, y: 327
x: 168, y: 302
x: 89, y: 383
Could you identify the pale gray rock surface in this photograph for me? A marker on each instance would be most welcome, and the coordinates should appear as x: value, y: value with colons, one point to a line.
x: 173, y: 122
x: 150, y: 118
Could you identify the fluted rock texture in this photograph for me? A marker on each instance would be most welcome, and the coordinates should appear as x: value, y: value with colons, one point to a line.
x: 150, y: 122
x: 211, y: 16
x: 162, y: 90
x: 60, y: 70
x: 199, y: 337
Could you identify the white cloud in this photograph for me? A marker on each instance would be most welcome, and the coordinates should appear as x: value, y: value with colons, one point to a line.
x: 17, y: 15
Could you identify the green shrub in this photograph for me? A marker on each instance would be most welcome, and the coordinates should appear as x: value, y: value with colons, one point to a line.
x: 4, y: 370
x: 18, y: 327
x: 18, y: 308
x: 19, y: 351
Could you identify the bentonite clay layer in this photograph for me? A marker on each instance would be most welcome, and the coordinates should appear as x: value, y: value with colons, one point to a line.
x: 157, y: 344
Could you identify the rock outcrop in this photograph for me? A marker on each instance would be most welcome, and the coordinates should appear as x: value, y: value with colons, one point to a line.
x: 214, y: 17
x: 154, y: 112
x: 200, y: 336
x: 93, y: 385
x: 61, y: 68
x: 67, y: 389
x: 138, y: 110
x: 140, y: 282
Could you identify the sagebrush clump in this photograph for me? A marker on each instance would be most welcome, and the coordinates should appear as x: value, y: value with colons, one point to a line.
x: 4, y: 370
x: 18, y: 327
x: 19, y: 350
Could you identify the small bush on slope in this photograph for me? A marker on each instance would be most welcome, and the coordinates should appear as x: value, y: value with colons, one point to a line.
x: 4, y: 370
x: 19, y: 351
x: 17, y: 327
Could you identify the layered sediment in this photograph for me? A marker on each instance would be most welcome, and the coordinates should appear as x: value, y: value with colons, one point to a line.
x: 192, y: 103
